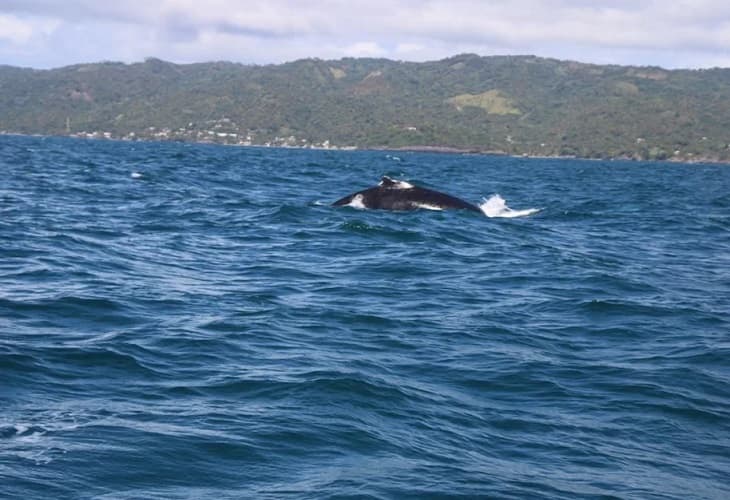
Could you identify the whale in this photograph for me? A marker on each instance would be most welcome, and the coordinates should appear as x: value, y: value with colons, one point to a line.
x: 392, y: 194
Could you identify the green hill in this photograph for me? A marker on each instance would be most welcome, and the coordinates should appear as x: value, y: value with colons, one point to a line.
x: 507, y: 104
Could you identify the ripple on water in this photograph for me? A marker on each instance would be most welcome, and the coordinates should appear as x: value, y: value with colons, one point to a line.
x: 216, y: 316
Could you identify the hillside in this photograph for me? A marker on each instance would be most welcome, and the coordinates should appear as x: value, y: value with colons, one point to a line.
x: 506, y: 104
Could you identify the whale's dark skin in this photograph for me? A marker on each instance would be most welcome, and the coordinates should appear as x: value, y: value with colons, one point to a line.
x: 397, y: 195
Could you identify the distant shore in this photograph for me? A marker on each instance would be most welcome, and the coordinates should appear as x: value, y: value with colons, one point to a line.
x: 520, y: 106
x: 413, y: 149
x: 476, y: 151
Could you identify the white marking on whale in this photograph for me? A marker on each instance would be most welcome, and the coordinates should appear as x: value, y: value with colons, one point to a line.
x: 357, y: 202
x: 427, y: 206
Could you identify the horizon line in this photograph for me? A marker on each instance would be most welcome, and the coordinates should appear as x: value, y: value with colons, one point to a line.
x: 149, y: 59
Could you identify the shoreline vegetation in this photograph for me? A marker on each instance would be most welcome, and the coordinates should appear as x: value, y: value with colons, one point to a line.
x: 520, y: 106
x: 408, y: 149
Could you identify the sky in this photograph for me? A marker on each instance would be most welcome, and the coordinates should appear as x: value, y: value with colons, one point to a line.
x: 667, y: 33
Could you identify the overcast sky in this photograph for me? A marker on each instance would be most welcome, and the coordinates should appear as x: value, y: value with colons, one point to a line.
x: 669, y: 33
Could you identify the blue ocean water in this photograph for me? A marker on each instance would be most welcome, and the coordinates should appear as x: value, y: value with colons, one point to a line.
x: 195, y: 321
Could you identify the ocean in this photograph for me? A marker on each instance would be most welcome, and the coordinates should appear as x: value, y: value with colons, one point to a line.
x: 196, y: 321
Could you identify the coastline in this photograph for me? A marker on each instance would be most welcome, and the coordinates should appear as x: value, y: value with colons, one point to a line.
x: 477, y: 151
x: 414, y: 149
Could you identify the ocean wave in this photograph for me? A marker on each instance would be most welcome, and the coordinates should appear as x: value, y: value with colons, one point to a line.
x: 211, y: 317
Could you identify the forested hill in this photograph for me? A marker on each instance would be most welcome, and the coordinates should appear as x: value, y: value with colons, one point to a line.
x: 506, y: 104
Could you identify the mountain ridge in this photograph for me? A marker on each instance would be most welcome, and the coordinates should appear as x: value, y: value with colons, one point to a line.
x: 518, y: 105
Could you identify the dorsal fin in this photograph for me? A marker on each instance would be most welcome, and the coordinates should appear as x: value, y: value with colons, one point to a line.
x: 386, y: 181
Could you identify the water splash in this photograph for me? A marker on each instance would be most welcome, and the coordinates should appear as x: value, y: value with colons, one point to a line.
x: 497, y: 207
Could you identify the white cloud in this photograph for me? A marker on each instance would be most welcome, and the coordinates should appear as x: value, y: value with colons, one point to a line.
x: 409, y: 48
x: 14, y: 30
x: 679, y: 33
x: 364, y: 49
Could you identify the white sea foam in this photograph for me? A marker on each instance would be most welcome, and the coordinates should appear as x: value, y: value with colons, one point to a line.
x: 21, y: 428
x: 497, y: 207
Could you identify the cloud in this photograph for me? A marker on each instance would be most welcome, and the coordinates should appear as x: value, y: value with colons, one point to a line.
x: 364, y: 49
x: 683, y: 32
x: 14, y: 30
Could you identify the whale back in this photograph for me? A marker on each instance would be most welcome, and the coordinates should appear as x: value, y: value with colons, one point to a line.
x: 391, y: 194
